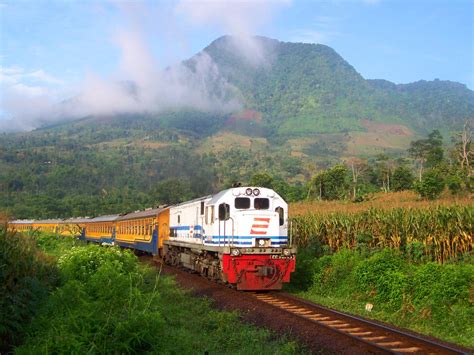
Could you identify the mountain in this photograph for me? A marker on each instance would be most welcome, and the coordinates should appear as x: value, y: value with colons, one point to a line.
x: 308, y: 88
x: 302, y: 107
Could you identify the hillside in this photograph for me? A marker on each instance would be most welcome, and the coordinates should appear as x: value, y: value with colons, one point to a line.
x: 308, y: 88
x: 303, y: 108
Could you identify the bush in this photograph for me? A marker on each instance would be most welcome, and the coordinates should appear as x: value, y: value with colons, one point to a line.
x: 84, y: 262
x: 432, y: 298
x: 111, y: 304
x: 382, y: 277
x: 27, y: 276
x: 402, y: 179
x: 454, y: 183
x: 100, y: 308
x: 431, y: 185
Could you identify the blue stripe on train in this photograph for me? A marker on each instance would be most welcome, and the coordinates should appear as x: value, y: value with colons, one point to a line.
x: 150, y: 247
x: 186, y: 228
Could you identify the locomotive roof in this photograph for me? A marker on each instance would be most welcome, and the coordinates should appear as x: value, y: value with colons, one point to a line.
x: 194, y: 200
x: 107, y: 218
x: 141, y: 214
x: 215, y: 198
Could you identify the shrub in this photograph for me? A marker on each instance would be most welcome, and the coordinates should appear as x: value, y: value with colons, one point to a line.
x: 454, y: 183
x: 26, y: 275
x: 83, y: 262
x: 402, y: 179
x: 431, y: 185
x: 382, y: 275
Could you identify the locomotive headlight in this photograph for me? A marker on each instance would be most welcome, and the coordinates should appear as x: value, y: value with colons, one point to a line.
x: 256, y: 192
x: 261, y: 242
x: 235, y: 252
x: 248, y: 192
x: 286, y: 252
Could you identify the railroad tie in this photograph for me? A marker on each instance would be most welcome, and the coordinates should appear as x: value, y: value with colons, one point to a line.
x: 390, y: 343
x: 360, y: 334
x: 375, y: 338
x: 413, y: 349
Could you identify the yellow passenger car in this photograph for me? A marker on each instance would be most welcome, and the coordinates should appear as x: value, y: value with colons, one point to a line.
x: 143, y: 230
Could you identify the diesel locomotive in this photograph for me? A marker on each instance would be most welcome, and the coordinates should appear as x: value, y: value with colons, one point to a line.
x: 238, y: 236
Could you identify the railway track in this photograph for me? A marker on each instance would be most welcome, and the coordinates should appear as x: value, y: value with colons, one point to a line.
x: 320, y: 329
x: 378, y: 336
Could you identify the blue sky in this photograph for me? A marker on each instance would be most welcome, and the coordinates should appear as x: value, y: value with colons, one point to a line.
x: 48, y: 49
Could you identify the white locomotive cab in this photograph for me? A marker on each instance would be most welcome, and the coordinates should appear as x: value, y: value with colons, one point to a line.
x: 237, y: 217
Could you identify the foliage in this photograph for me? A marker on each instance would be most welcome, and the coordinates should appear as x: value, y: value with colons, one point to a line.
x: 26, y: 275
x: 108, y: 303
x: 331, y: 184
x: 402, y: 179
x: 427, y: 297
x: 262, y: 179
x: 431, y: 185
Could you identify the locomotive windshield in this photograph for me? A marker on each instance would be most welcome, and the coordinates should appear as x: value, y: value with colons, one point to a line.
x: 242, y: 203
x: 261, y: 203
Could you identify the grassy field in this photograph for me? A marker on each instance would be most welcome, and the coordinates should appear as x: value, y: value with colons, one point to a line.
x: 104, y: 301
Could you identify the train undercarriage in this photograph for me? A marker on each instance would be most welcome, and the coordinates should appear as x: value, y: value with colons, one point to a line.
x: 249, y: 269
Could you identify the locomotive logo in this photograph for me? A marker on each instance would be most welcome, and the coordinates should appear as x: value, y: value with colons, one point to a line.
x: 260, y: 226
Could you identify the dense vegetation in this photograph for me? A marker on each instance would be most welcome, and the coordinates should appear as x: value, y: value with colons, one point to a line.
x: 309, y: 88
x: 305, y: 110
x: 50, y: 174
x: 106, y: 302
x: 27, y: 276
x: 427, y: 297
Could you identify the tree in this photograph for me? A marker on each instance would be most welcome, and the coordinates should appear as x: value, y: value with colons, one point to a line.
x: 262, y: 180
x: 402, y: 179
x: 464, y: 149
x: 358, y: 167
x: 432, y: 184
x: 384, y: 166
x: 427, y: 152
x: 332, y: 184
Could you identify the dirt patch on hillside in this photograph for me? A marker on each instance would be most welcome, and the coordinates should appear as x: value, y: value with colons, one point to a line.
x: 385, y: 128
x: 246, y: 115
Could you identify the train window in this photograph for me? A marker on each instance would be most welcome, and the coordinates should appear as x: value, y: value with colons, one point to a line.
x: 212, y: 214
x: 179, y: 219
x: 242, y: 203
x: 281, y: 214
x: 202, y: 208
x: 224, y: 211
x: 261, y: 203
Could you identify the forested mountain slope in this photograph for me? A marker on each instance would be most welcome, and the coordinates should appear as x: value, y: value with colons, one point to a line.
x: 303, y: 108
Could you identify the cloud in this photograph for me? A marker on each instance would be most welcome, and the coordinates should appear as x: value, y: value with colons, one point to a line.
x: 239, y: 18
x: 139, y: 84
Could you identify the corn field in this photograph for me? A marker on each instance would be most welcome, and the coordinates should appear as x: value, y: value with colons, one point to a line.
x: 444, y: 232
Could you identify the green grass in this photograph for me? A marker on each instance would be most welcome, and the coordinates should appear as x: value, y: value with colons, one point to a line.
x: 430, y: 298
x: 110, y: 303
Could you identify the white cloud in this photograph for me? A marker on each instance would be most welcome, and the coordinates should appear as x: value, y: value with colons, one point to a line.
x: 138, y: 84
x: 45, y: 77
x: 236, y: 17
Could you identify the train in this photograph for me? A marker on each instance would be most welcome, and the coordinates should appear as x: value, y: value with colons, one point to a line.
x: 238, y: 236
